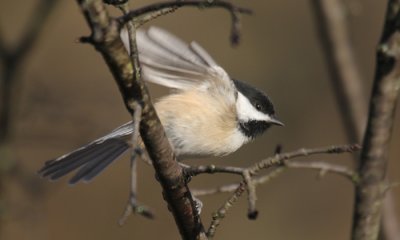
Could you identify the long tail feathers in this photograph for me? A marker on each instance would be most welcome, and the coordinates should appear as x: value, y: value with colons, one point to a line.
x: 91, y: 160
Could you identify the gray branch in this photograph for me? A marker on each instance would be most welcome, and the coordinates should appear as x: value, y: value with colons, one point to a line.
x: 374, y: 154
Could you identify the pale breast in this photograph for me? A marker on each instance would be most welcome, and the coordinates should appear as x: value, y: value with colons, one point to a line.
x: 197, y: 123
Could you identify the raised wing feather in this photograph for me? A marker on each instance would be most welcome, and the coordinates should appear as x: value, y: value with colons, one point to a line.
x: 169, y: 61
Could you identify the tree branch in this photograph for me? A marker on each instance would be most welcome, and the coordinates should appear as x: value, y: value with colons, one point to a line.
x: 374, y: 155
x: 332, y: 25
x: 105, y: 38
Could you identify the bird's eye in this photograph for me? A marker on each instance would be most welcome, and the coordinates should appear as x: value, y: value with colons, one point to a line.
x: 258, y: 106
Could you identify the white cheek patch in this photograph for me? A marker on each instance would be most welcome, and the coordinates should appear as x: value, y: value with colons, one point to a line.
x: 246, y: 111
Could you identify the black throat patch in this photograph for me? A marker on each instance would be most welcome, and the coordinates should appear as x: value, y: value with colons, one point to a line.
x: 253, y: 128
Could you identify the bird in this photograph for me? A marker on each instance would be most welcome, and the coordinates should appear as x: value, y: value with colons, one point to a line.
x: 208, y: 113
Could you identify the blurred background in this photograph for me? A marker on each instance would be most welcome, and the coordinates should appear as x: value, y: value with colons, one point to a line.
x: 68, y: 97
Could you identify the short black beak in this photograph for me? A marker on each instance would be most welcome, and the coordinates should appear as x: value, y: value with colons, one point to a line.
x: 275, y: 121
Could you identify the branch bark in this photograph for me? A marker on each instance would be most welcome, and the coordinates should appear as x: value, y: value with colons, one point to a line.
x: 374, y: 155
x: 105, y: 38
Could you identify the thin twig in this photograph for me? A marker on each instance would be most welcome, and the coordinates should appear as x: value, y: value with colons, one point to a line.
x: 281, y: 162
x: 279, y: 159
x: 137, y: 116
x: 252, y: 212
x: 232, y: 187
x: 325, y: 167
x: 221, y: 212
x: 210, y: 169
x: 165, y: 7
x: 238, y: 188
x: 143, y: 19
x: 133, y: 206
x: 276, y: 160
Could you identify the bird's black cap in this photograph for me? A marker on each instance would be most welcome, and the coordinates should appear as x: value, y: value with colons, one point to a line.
x: 257, y: 98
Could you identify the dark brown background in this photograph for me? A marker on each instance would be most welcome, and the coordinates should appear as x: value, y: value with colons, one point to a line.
x: 68, y: 97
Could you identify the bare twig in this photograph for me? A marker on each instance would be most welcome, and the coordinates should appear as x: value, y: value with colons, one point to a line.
x: 133, y: 206
x: 210, y: 169
x: 252, y: 212
x: 276, y: 160
x: 165, y: 7
x: 280, y: 162
x: 221, y: 212
x: 143, y: 19
x: 232, y: 187
x: 279, y: 159
x: 324, y: 167
x: 374, y: 155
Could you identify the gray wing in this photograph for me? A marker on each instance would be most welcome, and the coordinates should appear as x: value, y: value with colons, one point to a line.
x: 90, y: 159
x: 169, y: 61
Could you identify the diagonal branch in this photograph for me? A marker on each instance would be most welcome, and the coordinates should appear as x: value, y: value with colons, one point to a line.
x: 105, y: 38
x: 220, y: 213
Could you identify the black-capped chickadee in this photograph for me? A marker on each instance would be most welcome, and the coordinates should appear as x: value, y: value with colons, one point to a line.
x: 209, y: 114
